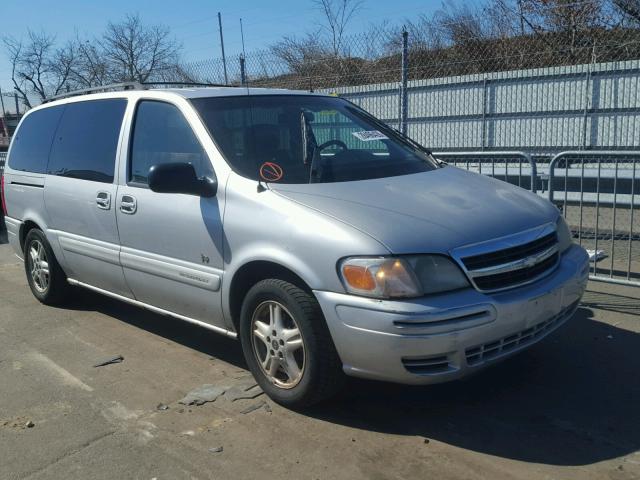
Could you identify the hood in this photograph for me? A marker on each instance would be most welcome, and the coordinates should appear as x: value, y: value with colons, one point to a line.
x: 430, y: 212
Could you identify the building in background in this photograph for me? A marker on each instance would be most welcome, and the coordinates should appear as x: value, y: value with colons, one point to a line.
x: 8, y: 125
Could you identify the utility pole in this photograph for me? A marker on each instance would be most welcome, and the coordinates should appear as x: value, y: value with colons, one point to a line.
x: 224, y: 60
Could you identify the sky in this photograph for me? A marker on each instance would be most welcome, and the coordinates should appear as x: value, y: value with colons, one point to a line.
x: 193, y: 22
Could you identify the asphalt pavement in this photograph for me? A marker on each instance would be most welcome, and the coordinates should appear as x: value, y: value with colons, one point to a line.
x: 568, y: 408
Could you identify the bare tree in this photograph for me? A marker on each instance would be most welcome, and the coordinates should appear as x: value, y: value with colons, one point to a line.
x: 337, y: 15
x: 127, y: 51
x: 135, y: 51
x: 300, y: 53
x: 91, y: 67
x: 562, y: 15
x: 14, y: 52
x: 461, y: 23
x: 630, y: 10
x: 38, y: 68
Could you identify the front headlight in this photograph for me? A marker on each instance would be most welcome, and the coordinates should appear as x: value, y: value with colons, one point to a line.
x: 565, y: 237
x: 397, y: 277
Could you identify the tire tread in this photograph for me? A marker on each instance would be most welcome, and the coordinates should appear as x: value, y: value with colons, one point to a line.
x: 329, y: 377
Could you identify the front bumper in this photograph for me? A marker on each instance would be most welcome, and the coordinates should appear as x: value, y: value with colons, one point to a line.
x: 444, y: 337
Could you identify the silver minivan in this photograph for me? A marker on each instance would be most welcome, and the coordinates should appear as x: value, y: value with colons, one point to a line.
x: 326, y: 241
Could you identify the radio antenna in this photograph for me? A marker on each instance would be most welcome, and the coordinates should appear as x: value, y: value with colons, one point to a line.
x: 242, y: 36
x: 243, y: 64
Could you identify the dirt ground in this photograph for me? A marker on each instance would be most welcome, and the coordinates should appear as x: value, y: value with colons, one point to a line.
x: 568, y: 408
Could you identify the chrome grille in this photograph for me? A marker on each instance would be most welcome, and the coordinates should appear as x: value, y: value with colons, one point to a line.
x: 516, y: 277
x: 511, y: 261
x: 493, y: 350
x: 500, y: 257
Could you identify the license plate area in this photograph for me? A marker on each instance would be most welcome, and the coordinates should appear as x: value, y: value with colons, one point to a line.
x: 543, y: 307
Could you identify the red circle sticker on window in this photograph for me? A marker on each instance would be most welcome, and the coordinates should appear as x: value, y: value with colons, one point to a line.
x: 271, y: 172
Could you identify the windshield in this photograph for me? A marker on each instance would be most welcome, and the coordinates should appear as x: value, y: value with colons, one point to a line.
x: 306, y: 139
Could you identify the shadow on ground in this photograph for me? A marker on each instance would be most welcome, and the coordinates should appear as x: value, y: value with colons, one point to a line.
x: 3, y: 232
x: 571, y: 400
x: 187, y: 334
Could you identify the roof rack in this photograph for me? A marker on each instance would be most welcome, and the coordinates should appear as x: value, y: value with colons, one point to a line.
x: 188, y: 84
x: 98, y: 89
x: 114, y: 87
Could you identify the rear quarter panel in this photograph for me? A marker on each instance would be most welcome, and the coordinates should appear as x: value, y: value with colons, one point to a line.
x: 24, y: 195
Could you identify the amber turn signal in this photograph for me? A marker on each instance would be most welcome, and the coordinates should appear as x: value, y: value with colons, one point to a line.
x: 358, y: 277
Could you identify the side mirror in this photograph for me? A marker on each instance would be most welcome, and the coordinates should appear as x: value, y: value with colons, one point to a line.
x: 180, y: 178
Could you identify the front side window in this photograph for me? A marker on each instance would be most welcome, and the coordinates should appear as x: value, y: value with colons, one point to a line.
x: 32, y: 142
x: 86, y: 142
x: 161, y: 134
x: 306, y: 139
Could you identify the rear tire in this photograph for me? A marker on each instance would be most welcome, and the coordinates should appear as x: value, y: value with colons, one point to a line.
x: 287, y: 344
x: 46, y: 279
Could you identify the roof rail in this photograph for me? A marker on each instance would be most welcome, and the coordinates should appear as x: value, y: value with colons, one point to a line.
x: 188, y: 84
x: 129, y: 86
x: 98, y: 89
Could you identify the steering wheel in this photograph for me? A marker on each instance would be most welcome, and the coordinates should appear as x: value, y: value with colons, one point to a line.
x: 339, y: 143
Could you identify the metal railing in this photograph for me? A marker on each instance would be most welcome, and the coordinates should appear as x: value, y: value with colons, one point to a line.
x: 598, y: 193
x: 516, y: 168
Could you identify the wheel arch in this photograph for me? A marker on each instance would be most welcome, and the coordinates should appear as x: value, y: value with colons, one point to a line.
x: 25, y: 228
x: 251, y: 273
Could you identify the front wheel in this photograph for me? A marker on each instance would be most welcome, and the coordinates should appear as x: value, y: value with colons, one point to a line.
x: 287, y: 344
x: 46, y: 279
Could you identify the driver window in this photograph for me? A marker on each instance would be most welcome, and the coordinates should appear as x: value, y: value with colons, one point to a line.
x: 161, y: 134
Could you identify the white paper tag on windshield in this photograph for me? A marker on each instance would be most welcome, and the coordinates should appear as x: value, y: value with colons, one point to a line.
x: 369, y: 135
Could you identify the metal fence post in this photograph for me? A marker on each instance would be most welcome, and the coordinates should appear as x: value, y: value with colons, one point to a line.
x: 587, y: 102
x: 404, y: 108
x: 484, y: 113
x: 243, y: 75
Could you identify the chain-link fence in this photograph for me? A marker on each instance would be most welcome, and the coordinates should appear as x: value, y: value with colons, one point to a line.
x: 541, y: 93
x: 376, y: 57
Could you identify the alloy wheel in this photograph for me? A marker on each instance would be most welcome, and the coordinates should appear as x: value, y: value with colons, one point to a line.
x: 39, y: 266
x: 278, y: 344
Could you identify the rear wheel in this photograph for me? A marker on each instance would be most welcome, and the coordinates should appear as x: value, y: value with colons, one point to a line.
x: 46, y: 279
x: 287, y: 344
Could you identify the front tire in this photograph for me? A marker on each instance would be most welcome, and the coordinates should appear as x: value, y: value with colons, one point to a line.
x: 46, y: 279
x: 287, y: 344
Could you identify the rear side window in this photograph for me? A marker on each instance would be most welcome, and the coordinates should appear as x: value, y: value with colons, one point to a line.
x: 86, y: 141
x: 161, y: 134
x: 31, y: 145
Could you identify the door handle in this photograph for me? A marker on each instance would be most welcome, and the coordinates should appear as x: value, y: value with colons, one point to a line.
x: 128, y: 204
x: 103, y: 200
